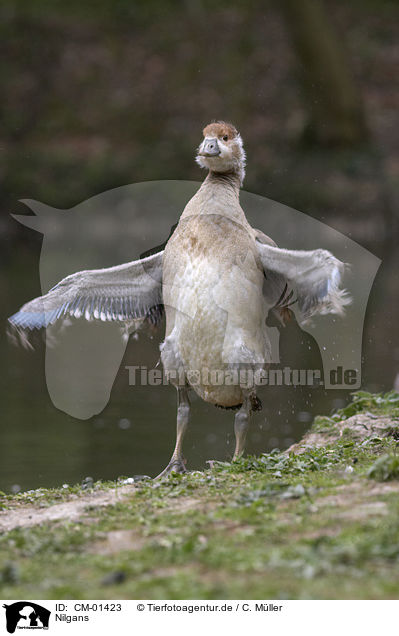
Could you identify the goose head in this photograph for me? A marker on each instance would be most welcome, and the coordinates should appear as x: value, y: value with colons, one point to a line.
x: 221, y: 150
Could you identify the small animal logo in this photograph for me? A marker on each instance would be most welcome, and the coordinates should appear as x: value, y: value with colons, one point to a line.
x: 26, y: 615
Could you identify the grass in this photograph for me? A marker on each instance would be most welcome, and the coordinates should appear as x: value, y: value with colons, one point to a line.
x: 320, y: 524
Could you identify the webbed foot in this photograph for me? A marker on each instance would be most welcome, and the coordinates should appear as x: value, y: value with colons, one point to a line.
x: 174, y: 466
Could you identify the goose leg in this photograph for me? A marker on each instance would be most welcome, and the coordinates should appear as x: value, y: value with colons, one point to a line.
x: 241, y: 426
x: 177, y: 461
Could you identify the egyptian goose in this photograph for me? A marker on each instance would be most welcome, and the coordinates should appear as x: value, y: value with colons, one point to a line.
x: 217, y: 279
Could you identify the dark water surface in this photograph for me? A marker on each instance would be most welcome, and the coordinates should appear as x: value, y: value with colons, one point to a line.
x: 135, y: 432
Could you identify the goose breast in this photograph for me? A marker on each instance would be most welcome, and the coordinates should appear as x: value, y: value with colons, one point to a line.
x: 215, y: 312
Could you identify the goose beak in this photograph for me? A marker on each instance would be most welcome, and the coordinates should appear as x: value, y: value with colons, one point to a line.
x: 209, y: 148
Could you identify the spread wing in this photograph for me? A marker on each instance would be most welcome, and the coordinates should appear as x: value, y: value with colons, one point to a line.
x: 122, y: 293
x: 310, y: 278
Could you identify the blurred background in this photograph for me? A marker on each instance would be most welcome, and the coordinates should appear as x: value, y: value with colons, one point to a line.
x: 100, y: 94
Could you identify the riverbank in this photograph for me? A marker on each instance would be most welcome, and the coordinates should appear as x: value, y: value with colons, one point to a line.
x: 317, y: 521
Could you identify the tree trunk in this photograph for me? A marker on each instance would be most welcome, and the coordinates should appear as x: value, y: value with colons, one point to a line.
x: 336, y: 115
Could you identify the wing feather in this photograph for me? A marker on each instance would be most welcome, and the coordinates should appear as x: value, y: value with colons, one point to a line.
x: 122, y: 293
x: 314, y: 276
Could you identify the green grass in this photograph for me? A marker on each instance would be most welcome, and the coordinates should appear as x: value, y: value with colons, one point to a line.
x: 385, y: 468
x: 315, y: 525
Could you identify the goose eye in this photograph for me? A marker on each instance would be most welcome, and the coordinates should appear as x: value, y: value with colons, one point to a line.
x: 225, y: 138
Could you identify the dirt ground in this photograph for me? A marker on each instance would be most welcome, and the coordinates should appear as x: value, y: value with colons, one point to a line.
x: 351, y: 500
